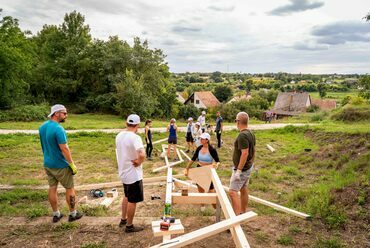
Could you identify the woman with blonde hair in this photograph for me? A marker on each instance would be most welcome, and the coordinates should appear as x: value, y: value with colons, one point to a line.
x: 172, y: 138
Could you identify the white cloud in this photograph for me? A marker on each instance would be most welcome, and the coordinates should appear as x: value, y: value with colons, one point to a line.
x: 221, y: 35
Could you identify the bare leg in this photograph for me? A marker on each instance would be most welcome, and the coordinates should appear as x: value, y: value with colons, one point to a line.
x: 244, y: 199
x: 131, y: 207
x: 169, y: 151
x: 124, y: 208
x: 71, y: 199
x: 53, y: 197
x: 174, y: 151
x: 235, y: 201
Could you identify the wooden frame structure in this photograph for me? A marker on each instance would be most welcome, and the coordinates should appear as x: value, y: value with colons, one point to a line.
x: 232, y: 221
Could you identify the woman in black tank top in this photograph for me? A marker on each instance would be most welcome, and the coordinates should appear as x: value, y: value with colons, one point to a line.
x: 148, y: 139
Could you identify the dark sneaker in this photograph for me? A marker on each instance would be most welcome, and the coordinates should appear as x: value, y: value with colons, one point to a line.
x: 56, y: 218
x: 77, y: 217
x: 122, y: 223
x: 132, y: 228
x: 150, y: 158
x: 187, y: 151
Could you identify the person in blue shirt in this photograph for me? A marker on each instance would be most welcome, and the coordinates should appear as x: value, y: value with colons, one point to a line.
x: 58, y: 163
x: 172, y: 138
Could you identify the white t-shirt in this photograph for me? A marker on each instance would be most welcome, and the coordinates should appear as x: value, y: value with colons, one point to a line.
x: 127, y: 145
x: 202, y: 120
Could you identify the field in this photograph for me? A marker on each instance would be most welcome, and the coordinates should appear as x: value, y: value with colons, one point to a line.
x: 330, y: 182
x: 92, y: 121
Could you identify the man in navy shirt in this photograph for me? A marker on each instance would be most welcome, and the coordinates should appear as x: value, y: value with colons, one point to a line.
x: 58, y: 163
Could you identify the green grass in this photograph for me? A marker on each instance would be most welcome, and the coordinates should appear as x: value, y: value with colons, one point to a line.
x: 101, y: 244
x: 338, y: 96
x: 94, y: 121
x: 66, y: 226
x: 285, y: 240
x: 328, y: 243
x: 29, y: 203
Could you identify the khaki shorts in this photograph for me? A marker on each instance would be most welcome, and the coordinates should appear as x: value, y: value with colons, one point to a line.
x: 237, y: 185
x: 64, y: 176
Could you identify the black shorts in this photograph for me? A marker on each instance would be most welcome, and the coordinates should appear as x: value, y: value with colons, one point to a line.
x: 189, y: 137
x: 134, y: 192
x: 172, y: 140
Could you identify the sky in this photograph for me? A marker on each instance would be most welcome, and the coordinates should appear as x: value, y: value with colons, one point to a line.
x: 247, y: 36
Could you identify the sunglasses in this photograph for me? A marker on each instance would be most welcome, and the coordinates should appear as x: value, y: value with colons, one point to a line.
x: 236, y: 120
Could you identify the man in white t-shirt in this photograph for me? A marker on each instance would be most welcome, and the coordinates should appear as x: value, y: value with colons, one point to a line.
x: 130, y: 156
x: 202, y: 121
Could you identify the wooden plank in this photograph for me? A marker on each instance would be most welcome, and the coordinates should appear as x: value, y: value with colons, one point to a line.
x: 186, y: 155
x: 270, y: 148
x: 175, y: 228
x: 277, y: 207
x: 194, y: 198
x: 237, y: 232
x: 207, y: 231
x: 157, y: 141
x: 167, y: 166
x: 201, y: 176
x: 259, y: 200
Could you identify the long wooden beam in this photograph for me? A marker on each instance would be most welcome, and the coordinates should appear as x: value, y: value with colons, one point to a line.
x: 158, y: 141
x: 236, y: 231
x: 277, y: 206
x: 258, y: 200
x: 194, y: 198
x: 167, y: 166
x: 207, y: 231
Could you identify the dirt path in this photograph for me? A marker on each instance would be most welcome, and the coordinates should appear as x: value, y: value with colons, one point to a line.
x: 157, y: 129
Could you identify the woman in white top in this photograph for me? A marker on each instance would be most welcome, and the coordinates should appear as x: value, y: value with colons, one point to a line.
x: 197, y: 133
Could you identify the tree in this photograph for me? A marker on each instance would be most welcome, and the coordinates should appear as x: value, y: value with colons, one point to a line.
x: 322, y: 88
x: 364, y: 85
x: 217, y: 77
x: 16, y: 62
x: 223, y: 93
x: 367, y: 17
x: 249, y: 85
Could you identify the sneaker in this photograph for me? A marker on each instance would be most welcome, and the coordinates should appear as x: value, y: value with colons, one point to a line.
x: 176, y: 159
x: 187, y: 151
x: 56, y: 218
x: 122, y: 223
x: 132, y: 228
x: 150, y: 158
x: 77, y: 217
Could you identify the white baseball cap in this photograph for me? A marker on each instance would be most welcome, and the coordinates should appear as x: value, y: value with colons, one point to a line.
x: 133, y: 119
x: 190, y: 119
x: 205, y: 136
x: 56, y: 108
x: 173, y: 120
x: 203, y: 112
x: 197, y: 123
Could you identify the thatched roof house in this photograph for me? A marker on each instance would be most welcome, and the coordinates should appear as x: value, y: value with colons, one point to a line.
x: 291, y: 103
x: 240, y: 97
x: 203, y: 99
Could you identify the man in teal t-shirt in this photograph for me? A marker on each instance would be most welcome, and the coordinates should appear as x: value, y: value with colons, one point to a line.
x: 58, y: 163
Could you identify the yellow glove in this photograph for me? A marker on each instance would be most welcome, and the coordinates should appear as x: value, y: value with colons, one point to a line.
x: 73, y: 168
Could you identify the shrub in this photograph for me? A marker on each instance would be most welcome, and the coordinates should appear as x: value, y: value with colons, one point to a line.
x: 352, y: 113
x: 186, y: 111
x: 26, y: 113
x: 318, y: 116
x: 254, y: 107
x: 313, y: 108
x: 285, y: 240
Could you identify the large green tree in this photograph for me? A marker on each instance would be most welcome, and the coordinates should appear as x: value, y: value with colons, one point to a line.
x: 223, y: 93
x: 16, y: 62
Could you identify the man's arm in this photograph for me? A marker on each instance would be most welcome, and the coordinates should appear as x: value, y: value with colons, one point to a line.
x: 140, y: 157
x: 66, y: 152
x: 243, y: 159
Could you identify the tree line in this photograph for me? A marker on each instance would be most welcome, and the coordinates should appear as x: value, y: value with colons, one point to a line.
x: 65, y: 64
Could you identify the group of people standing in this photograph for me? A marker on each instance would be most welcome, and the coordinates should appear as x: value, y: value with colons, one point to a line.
x: 131, y: 154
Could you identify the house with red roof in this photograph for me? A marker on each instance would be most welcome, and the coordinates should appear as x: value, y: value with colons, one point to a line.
x: 203, y: 99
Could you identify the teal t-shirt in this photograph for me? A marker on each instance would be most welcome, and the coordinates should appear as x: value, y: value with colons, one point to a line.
x: 51, y: 135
